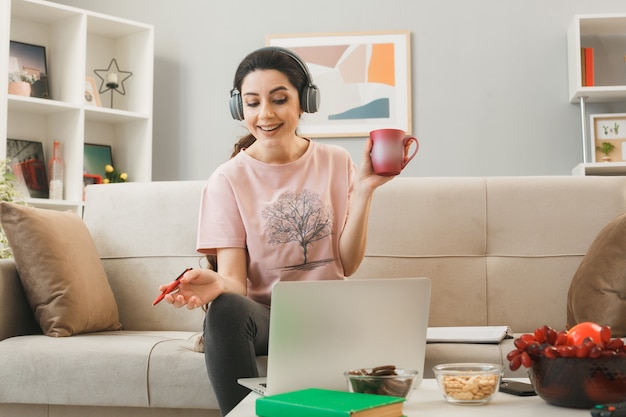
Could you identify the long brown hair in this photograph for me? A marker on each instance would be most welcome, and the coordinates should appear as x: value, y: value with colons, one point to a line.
x: 267, y: 59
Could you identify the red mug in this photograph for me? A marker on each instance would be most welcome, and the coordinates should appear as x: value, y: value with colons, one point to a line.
x: 390, y: 151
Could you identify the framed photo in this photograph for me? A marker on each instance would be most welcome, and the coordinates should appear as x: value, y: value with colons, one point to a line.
x: 28, y: 63
x: 364, y: 81
x: 96, y: 157
x: 92, y: 97
x: 608, y: 137
x: 89, y: 179
x: 26, y: 159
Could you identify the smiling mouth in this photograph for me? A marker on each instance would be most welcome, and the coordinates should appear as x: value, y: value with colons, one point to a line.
x: 270, y: 128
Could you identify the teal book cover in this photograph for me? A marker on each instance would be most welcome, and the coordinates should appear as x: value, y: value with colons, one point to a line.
x: 315, y: 402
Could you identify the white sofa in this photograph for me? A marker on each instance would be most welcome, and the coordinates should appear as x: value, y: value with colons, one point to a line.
x: 499, y: 251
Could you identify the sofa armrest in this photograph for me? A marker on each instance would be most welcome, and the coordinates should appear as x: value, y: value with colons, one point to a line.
x: 16, y: 317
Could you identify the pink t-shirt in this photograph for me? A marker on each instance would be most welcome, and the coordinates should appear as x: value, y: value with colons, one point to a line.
x: 289, y: 217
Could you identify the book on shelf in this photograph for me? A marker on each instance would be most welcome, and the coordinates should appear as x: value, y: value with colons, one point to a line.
x: 468, y: 334
x: 317, y: 402
x: 588, y: 76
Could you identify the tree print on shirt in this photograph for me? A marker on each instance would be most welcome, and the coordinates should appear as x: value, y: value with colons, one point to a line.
x: 302, y: 218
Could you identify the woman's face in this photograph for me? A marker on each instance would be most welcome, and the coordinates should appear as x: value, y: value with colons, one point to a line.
x: 271, y: 106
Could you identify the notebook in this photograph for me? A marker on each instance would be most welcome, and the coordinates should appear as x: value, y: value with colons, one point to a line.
x: 468, y: 334
x: 320, y: 329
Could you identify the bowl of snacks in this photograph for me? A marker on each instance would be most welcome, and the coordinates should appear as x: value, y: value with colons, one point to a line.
x: 576, y: 368
x: 468, y: 383
x: 382, y: 380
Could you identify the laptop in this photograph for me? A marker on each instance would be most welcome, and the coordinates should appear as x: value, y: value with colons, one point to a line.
x: 320, y: 329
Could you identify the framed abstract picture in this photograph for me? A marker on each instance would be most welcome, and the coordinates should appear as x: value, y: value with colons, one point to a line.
x: 364, y: 81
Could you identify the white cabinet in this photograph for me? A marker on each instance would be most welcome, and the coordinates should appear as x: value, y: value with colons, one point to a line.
x: 606, y: 34
x: 77, y: 42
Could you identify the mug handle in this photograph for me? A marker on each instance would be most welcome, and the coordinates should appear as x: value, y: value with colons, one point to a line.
x: 405, y: 143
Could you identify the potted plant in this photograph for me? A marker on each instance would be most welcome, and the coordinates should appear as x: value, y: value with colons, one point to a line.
x: 114, y: 175
x: 20, y: 83
x: 605, y: 148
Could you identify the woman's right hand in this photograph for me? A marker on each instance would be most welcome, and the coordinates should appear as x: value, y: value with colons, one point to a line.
x: 197, y: 288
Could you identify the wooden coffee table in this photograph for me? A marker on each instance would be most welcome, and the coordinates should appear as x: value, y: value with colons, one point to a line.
x: 426, y: 400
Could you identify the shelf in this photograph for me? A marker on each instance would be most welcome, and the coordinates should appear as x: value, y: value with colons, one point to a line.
x: 39, y: 106
x: 599, y: 94
x: 77, y: 42
x: 61, y: 205
x: 606, y: 24
x: 40, y: 12
x: 112, y: 27
x: 600, y: 168
x: 606, y: 35
x: 100, y: 114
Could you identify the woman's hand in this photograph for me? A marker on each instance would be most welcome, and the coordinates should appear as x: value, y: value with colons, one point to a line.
x: 197, y: 288
x: 367, y: 175
x: 201, y: 286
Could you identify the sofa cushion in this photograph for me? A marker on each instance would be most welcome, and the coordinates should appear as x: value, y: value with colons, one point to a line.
x: 60, y: 270
x: 597, y: 292
x: 103, y: 368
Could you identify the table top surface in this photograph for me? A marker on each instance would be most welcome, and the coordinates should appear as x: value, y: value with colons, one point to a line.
x: 428, y: 400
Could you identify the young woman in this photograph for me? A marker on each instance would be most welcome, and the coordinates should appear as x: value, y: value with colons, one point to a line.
x: 282, y: 208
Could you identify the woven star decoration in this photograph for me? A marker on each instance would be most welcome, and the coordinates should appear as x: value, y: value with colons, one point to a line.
x: 120, y: 75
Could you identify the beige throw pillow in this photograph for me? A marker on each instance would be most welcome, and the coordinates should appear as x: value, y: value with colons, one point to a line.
x: 60, y: 270
x: 597, y: 292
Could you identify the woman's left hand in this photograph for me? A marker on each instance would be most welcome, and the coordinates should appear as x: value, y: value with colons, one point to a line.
x: 367, y: 174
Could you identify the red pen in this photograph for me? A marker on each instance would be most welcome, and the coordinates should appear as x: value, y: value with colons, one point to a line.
x: 170, y: 288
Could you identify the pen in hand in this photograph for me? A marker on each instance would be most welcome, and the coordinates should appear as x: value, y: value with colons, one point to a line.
x: 170, y: 288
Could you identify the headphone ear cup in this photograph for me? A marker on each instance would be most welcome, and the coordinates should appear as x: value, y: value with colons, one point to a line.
x: 310, y: 99
x: 236, y: 105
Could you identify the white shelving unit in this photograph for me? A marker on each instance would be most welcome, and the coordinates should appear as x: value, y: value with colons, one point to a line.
x: 606, y: 33
x: 77, y: 42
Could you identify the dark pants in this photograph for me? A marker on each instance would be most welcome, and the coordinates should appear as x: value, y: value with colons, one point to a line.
x: 236, y: 331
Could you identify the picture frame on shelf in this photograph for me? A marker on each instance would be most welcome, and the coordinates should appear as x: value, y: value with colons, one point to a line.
x: 364, y: 79
x: 28, y: 70
x: 92, y: 97
x: 89, y: 179
x: 611, y: 129
x: 96, y: 158
x: 28, y: 164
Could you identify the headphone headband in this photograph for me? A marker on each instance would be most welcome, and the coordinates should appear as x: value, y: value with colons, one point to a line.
x: 309, y: 96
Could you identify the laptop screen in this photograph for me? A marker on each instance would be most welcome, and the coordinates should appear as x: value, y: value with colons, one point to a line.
x: 320, y: 329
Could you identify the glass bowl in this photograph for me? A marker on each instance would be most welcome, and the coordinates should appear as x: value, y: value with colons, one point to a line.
x: 399, y: 384
x: 468, y: 383
x: 579, y: 382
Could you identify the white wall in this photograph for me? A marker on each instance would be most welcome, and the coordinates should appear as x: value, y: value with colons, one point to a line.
x: 489, y: 77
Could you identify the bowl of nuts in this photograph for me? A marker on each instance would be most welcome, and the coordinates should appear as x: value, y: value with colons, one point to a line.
x: 576, y: 368
x: 468, y: 383
x: 382, y: 380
